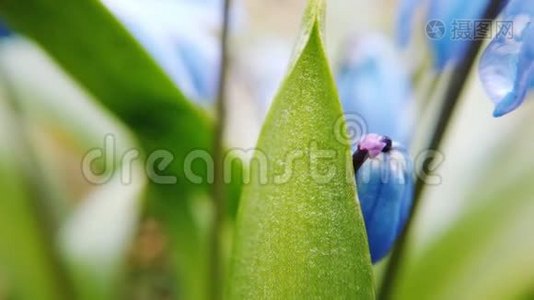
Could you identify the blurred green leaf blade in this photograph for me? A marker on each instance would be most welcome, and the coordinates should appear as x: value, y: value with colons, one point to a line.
x: 95, y: 48
x: 487, y: 252
x: 304, y: 237
x: 98, y: 51
x: 91, y: 45
x: 22, y: 254
x: 28, y: 259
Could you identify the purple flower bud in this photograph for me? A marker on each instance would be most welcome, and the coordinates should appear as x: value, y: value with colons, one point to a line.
x: 374, y: 144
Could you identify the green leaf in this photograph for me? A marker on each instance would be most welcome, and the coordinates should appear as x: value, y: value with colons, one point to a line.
x: 304, y: 237
x: 23, y: 257
x: 97, y: 51
x: 487, y: 252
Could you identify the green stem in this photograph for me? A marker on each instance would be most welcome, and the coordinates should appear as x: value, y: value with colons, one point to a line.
x: 218, y: 190
x: 458, y: 80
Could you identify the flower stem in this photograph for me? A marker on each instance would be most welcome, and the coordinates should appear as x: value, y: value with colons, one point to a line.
x: 458, y: 80
x: 218, y: 193
x: 358, y: 158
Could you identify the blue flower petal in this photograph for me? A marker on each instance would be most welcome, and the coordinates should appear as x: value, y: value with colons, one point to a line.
x: 507, y: 64
x: 450, y: 48
x: 373, y: 84
x: 200, y: 60
x: 385, y: 190
x: 182, y: 36
x: 405, y: 20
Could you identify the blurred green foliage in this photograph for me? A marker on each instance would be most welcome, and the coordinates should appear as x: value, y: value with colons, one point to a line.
x: 26, y: 255
x: 97, y: 51
x: 488, y: 252
x: 295, y: 239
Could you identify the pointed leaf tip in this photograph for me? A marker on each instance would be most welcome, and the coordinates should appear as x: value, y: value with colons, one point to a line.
x: 302, y: 235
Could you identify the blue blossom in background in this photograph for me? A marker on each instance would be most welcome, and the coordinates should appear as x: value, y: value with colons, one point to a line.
x: 452, y: 47
x: 374, y: 85
x: 507, y: 64
x: 182, y: 36
x: 456, y: 16
x: 405, y: 20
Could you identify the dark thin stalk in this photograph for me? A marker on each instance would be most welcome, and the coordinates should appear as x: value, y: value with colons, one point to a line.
x: 458, y: 79
x: 358, y: 158
x: 218, y: 190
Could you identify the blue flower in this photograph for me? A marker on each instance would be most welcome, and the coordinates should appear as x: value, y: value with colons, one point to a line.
x: 507, y: 64
x: 385, y: 190
x: 405, y: 19
x: 374, y: 85
x: 451, y: 45
x: 182, y: 36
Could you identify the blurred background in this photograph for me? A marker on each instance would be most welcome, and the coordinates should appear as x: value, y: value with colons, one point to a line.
x: 63, y: 235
